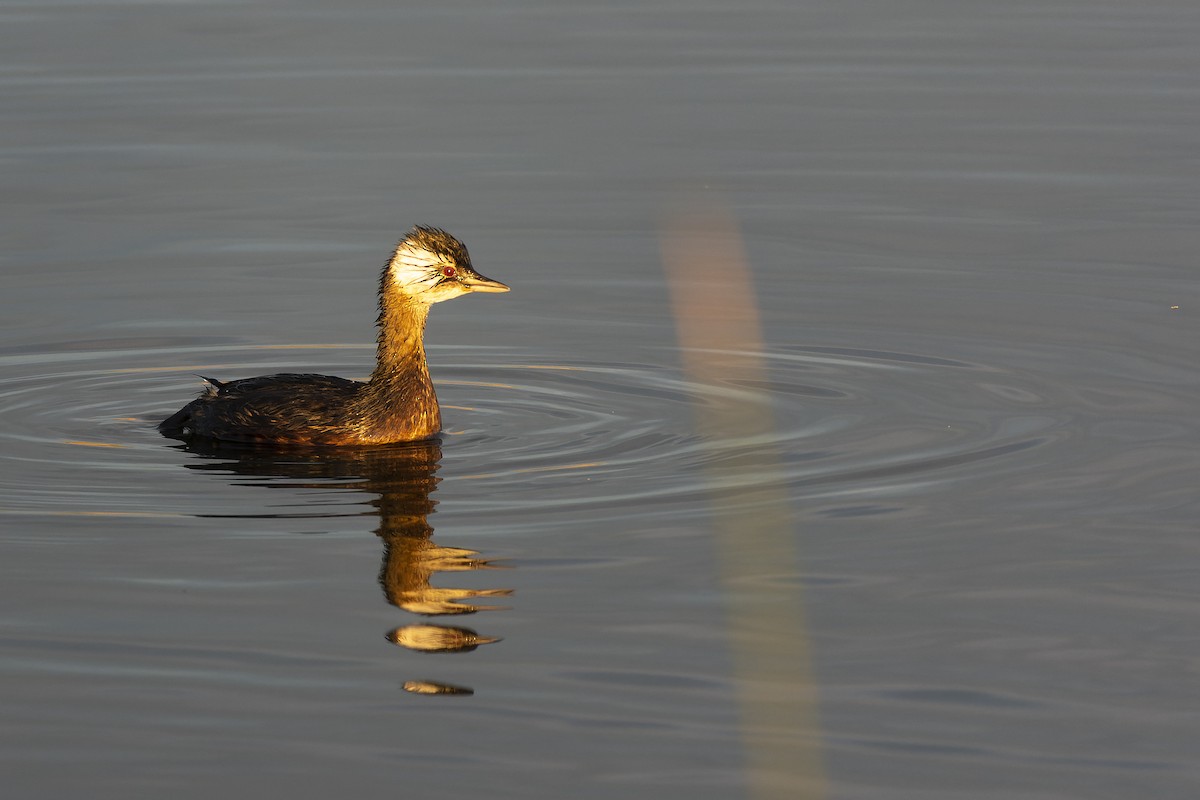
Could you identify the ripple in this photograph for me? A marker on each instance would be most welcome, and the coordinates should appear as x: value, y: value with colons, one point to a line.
x: 547, y: 436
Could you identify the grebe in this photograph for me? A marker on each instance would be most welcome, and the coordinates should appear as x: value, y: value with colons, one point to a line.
x: 397, y: 403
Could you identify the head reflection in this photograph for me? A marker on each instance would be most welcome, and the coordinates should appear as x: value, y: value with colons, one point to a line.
x: 400, y: 480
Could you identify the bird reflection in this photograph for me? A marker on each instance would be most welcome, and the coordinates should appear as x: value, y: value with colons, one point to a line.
x: 401, y: 479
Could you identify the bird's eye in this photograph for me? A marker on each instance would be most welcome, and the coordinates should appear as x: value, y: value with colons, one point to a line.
x: 449, y: 272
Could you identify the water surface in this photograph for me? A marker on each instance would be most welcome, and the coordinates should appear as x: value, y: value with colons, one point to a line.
x: 971, y: 511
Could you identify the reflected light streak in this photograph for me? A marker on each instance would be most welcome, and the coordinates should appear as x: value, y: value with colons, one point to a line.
x: 716, y: 317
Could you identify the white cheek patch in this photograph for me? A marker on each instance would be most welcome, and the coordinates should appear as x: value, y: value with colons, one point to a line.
x: 416, y: 269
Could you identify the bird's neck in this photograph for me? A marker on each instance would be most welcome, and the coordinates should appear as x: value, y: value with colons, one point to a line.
x: 400, y: 346
x: 400, y: 392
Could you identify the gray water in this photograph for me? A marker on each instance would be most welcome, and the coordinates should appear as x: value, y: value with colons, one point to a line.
x: 944, y: 545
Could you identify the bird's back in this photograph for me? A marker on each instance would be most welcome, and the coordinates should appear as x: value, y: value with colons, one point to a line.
x: 286, y: 408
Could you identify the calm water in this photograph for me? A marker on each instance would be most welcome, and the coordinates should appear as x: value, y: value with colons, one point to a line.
x: 933, y: 536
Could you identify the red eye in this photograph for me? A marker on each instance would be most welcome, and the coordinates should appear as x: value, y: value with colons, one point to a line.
x: 449, y: 272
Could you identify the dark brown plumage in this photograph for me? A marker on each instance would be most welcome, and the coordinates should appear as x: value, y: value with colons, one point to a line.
x: 397, y: 403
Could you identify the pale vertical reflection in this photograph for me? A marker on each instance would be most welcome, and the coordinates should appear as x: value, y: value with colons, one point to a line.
x: 712, y: 296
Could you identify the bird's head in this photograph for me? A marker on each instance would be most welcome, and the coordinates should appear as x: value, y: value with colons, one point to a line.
x: 430, y: 266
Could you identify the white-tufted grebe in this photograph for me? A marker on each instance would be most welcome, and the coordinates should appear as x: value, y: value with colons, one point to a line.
x: 397, y: 403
